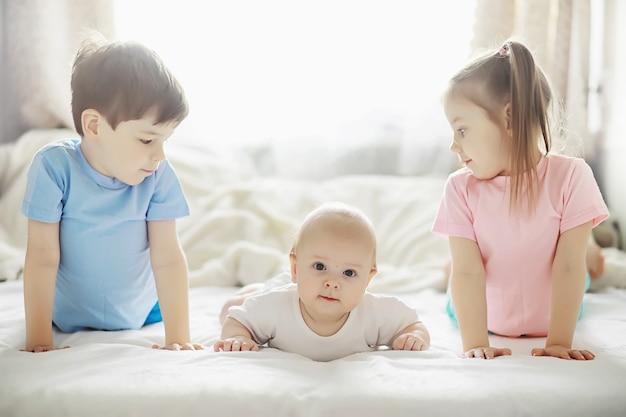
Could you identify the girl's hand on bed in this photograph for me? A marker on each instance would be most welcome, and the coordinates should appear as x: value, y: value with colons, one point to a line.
x: 487, y: 352
x: 409, y: 341
x: 176, y: 346
x: 235, y: 344
x: 43, y: 348
x: 563, y: 353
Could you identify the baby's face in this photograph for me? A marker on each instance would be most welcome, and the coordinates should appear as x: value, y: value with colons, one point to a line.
x: 333, y: 267
x: 133, y: 151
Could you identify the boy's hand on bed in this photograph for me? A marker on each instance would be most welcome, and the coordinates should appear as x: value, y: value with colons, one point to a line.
x: 177, y: 346
x: 236, y: 344
x: 563, y: 353
x: 43, y: 348
x: 487, y: 352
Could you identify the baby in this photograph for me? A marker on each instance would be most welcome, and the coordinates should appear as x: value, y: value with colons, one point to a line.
x: 325, y: 313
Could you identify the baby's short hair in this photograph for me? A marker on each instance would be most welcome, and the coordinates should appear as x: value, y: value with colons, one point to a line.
x: 123, y: 81
x: 337, y: 210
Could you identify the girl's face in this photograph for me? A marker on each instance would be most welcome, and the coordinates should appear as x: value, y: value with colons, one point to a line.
x: 482, y: 144
x: 332, y: 267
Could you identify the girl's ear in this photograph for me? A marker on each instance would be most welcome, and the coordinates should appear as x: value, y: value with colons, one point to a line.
x: 508, y: 114
x: 292, y: 264
x: 90, y: 120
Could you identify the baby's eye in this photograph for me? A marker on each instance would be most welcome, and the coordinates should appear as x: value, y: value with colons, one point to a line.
x: 145, y: 141
x: 319, y: 266
x: 461, y: 131
x: 350, y: 273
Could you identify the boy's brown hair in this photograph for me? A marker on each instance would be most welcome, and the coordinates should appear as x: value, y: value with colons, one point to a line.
x: 123, y: 81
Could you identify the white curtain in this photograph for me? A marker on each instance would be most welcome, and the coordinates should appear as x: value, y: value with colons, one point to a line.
x: 559, y: 34
x: 38, y: 39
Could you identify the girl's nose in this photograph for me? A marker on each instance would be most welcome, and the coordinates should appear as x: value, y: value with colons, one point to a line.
x: 454, y: 147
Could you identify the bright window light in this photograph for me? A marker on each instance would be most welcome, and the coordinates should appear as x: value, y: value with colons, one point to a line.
x: 323, y: 70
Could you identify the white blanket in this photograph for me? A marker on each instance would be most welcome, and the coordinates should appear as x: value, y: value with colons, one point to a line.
x: 118, y: 374
x: 242, y: 225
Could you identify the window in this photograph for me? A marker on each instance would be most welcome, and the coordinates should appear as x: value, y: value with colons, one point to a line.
x: 288, y: 70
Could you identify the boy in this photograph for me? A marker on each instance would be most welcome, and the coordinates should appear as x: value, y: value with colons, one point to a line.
x: 102, y: 239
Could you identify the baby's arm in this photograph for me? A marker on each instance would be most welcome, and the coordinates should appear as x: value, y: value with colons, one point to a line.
x: 413, y: 337
x: 470, y: 299
x: 40, y: 271
x: 235, y: 337
x: 170, y: 273
x: 568, y: 287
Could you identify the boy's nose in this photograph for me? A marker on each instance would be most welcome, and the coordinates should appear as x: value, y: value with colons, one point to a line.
x: 159, y: 154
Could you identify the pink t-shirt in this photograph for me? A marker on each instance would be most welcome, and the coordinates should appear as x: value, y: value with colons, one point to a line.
x: 518, y: 251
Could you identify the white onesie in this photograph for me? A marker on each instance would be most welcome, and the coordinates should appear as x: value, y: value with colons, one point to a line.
x: 274, y: 317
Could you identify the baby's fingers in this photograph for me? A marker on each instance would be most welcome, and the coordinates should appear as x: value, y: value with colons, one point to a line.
x: 408, y: 343
x: 235, y: 345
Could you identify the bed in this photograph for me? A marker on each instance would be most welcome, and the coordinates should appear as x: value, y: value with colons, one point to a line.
x: 239, y: 232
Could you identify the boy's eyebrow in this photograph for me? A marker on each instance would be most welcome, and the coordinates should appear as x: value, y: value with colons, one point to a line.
x: 149, y: 132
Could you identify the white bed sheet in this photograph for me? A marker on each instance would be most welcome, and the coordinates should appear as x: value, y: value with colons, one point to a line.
x: 118, y: 374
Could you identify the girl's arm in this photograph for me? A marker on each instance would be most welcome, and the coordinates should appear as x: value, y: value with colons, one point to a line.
x: 468, y: 290
x: 568, y: 287
x: 170, y: 273
x: 40, y: 271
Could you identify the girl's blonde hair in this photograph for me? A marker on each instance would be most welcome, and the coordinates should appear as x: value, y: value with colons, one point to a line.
x: 510, y: 75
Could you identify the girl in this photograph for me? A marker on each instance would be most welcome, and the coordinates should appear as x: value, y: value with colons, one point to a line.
x: 518, y: 218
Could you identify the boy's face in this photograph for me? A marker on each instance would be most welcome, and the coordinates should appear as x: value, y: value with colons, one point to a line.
x: 131, y: 152
x: 333, y: 266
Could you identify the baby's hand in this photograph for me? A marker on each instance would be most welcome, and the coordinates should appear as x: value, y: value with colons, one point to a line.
x: 409, y: 341
x: 42, y: 348
x: 563, y: 353
x: 235, y: 344
x: 486, y: 352
x: 176, y: 346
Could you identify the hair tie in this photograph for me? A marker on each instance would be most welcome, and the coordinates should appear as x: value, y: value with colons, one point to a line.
x: 504, y: 51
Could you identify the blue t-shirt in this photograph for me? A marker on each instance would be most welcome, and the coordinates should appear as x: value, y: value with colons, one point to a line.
x: 105, y: 279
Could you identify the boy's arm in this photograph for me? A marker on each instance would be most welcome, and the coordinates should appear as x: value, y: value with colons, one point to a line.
x: 568, y: 287
x: 413, y: 337
x: 235, y: 337
x: 468, y: 290
x: 40, y: 271
x: 170, y: 273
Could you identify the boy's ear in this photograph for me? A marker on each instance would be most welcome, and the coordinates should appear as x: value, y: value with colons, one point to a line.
x: 90, y: 120
x: 292, y: 264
